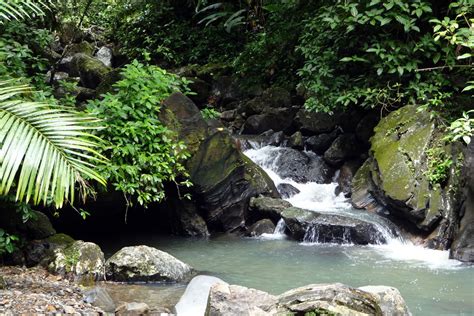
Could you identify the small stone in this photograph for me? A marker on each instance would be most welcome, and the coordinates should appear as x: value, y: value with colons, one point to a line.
x: 69, y: 310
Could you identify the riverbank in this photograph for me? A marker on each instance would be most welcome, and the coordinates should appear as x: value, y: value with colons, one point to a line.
x: 36, y: 291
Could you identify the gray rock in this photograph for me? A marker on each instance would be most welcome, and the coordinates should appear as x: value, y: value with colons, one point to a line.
x: 263, y: 226
x: 99, y: 297
x: 195, y: 299
x: 311, y: 123
x: 39, y: 226
x: 143, y: 263
x: 389, y: 299
x: 276, y: 97
x: 345, y: 147
x: 296, y: 141
x: 228, y: 115
x: 132, y: 309
x: 346, y: 174
x: 81, y: 261
x: 304, y: 225
x: 301, y: 167
x: 228, y: 300
x: 267, y: 207
x: 320, y: 143
x: 277, y: 120
x: 287, y: 190
x: 91, y: 71
x: 104, y: 54
x: 328, y: 299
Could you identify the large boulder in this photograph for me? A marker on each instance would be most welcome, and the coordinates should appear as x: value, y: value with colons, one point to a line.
x: 227, y: 300
x: 81, y: 261
x: 224, y: 180
x: 309, y: 226
x: 389, y: 299
x: 327, y: 299
x: 105, y: 54
x: 267, y: 207
x: 143, y: 264
x: 80, y: 48
x: 311, y: 123
x: 320, y: 143
x: 279, y: 119
x: 91, y: 71
x: 345, y: 147
x: 287, y: 190
x: 263, y: 226
x: 301, y: 166
x: 463, y: 245
x: 396, y: 176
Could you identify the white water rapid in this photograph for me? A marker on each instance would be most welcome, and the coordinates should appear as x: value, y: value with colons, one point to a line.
x: 321, y: 198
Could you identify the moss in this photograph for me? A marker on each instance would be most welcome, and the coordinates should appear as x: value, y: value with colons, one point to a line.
x: 60, y: 239
x: 82, y: 48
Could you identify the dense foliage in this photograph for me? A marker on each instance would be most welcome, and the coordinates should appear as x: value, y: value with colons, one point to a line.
x: 143, y: 153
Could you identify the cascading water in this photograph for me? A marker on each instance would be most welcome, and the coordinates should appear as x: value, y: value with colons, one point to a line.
x: 320, y: 197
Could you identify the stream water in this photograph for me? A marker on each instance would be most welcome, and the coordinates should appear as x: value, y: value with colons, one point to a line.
x: 430, y: 282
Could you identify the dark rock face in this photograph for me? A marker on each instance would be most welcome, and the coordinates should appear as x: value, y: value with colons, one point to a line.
x: 394, y: 179
x: 315, y: 123
x: 346, y: 174
x: 202, y: 90
x: 304, y: 225
x: 365, y: 128
x: 264, y: 226
x: 343, y: 148
x: 287, y: 190
x: 37, y: 227
x: 320, y: 143
x: 225, y: 180
x: 463, y: 246
x: 302, y: 167
x: 276, y: 120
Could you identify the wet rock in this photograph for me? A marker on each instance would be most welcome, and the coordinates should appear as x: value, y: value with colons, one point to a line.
x: 311, y: 123
x: 91, y: 71
x: 80, y: 48
x: 105, y: 54
x: 226, y: 90
x: 328, y: 299
x: 343, y: 148
x: 463, y: 245
x: 99, y: 297
x: 186, y: 218
x: 202, y: 90
x: 346, y: 174
x: 267, y: 207
x: 296, y: 141
x: 41, y: 252
x: 264, y: 226
x: 300, y: 166
x: 287, y: 190
x: 143, y: 263
x: 224, y: 180
x: 320, y: 143
x: 276, y: 139
x: 276, y: 120
x: 81, y: 261
x: 389, y: 299
x: 195, y: 299
x: 225, y: 300
x: 132, y: 309
x: 310, y: 226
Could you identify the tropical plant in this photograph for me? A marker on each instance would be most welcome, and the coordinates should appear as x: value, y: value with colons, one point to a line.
x: 145, y: 153
x: 20, y: 9
x: 46, y: 150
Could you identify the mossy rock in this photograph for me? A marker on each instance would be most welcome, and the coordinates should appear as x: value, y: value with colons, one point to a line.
x: 60, y: 239
x: 80, y: 48
x: 91, y: 71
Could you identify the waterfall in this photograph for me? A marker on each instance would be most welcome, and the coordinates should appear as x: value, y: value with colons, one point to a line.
x: 318, y: 197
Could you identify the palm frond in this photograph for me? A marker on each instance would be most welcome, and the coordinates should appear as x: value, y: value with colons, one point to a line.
x: 45, y: 150
x: 21, y: 9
